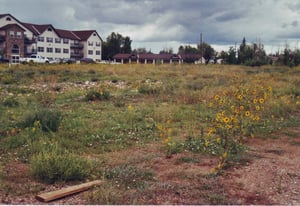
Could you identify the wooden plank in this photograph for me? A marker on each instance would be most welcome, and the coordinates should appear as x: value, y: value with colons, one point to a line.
x: 49, y: 196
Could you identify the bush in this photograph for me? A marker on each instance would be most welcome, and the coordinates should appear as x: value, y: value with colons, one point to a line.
x: 47, y: 119
x: 94, y: 95
x: 58, y: 165
x: 10, y: 102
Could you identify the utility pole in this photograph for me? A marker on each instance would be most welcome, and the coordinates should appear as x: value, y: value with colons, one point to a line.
x: 201, y: 46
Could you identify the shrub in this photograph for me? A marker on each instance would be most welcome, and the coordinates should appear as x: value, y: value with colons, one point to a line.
x: 47, y: 119
x: 94, y: 95
x: 10, y: 102
x: 54, y: 165
x: 150, y: 87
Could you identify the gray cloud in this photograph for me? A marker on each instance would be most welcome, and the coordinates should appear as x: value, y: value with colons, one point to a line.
x: 164, y: 22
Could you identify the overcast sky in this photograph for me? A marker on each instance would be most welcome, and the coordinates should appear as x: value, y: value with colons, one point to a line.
x: 159, y: 24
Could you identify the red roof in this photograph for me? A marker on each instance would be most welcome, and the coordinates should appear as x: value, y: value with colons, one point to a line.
x: 84, y: 34
x: 67, y: 34
x: 7, y: 26
x: 38, y: 29
x: 124, y: 56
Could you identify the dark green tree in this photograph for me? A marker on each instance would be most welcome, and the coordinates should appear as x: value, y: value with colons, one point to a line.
x: 206, y: 51
x: 187, y: 50
x: 230, y: 56
x: 116, y: 43
x: 166, y: 51
x: 245, y: 52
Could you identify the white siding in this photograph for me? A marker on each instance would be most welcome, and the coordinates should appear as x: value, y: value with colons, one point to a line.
x: 93, y: 47
x: 50, y: 49
x: 4, y: 21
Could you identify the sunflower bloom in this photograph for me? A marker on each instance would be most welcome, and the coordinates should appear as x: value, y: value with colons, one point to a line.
x: 130, y: 107
x: 217, y: 97
x: 226, y: 120
x: 247, y: 113
x: 261, y: 100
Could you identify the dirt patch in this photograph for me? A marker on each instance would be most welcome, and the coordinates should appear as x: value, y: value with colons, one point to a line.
x: 273, y: 178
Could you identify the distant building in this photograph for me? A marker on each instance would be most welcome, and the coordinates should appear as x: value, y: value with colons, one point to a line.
x: 19, y: 39
x: 150, y: 58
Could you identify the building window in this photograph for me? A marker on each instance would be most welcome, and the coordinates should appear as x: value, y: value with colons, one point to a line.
x: 15, y: 49
x: 98, y: 44
x: 66, y: 41
x: 49, y: 29
x: 90, y: 52
x: 49, y: 39
x: 76, y: 42
x: 49, y: 49
x: 8, y: 19
x: 94, y: 34
x: 90, y: 43
x: 57, y: 50
x: 98, y: 52
x: 11, y: 34
x: 57, y: 40
x: 41, y: 38
x: 19, y: 35
x: 40, y: 49
x: 66, y: 51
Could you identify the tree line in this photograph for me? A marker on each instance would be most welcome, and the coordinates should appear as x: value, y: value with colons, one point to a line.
x: 245, y: 54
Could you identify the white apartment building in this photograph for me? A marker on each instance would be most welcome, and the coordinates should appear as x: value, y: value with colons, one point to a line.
x: 19, y: 39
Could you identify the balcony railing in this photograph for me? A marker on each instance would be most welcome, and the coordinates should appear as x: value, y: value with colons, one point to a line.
x: 76, y: 46
x: 29, y: 41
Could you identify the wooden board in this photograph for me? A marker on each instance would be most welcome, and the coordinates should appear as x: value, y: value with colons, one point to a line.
x: 49, y: 196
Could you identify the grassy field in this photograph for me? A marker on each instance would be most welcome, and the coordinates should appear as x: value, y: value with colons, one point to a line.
x: 72, y: 123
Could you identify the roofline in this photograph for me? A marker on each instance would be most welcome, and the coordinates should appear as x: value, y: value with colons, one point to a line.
x: 37, y: 31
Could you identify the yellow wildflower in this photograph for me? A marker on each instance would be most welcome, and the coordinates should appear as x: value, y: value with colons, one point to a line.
x: 257, y: 108
x: 130, y: 107
x: 217, y: 97
x: 247, y: 113
x: 167, y: 140
x: 269, y: 89
x: 261, y: 100
x: 240, y: 97
x: 226, y: 120
x: 220, y: 166
x: 225, y: 155
x: 255, y: 101
x: 241, y: 107
x: 213, y: 170
x: 256, y: 118
x: 206, y: 144
x: 218, y: 140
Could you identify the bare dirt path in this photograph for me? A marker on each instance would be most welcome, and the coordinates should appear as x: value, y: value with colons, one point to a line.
x: 273, y: 175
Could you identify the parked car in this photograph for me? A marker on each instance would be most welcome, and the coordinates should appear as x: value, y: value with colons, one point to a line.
x: 69, y: 61
x: 35, y: 59
x: 87, y: 60
x: 4, y: 60
x: 54, y: 61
